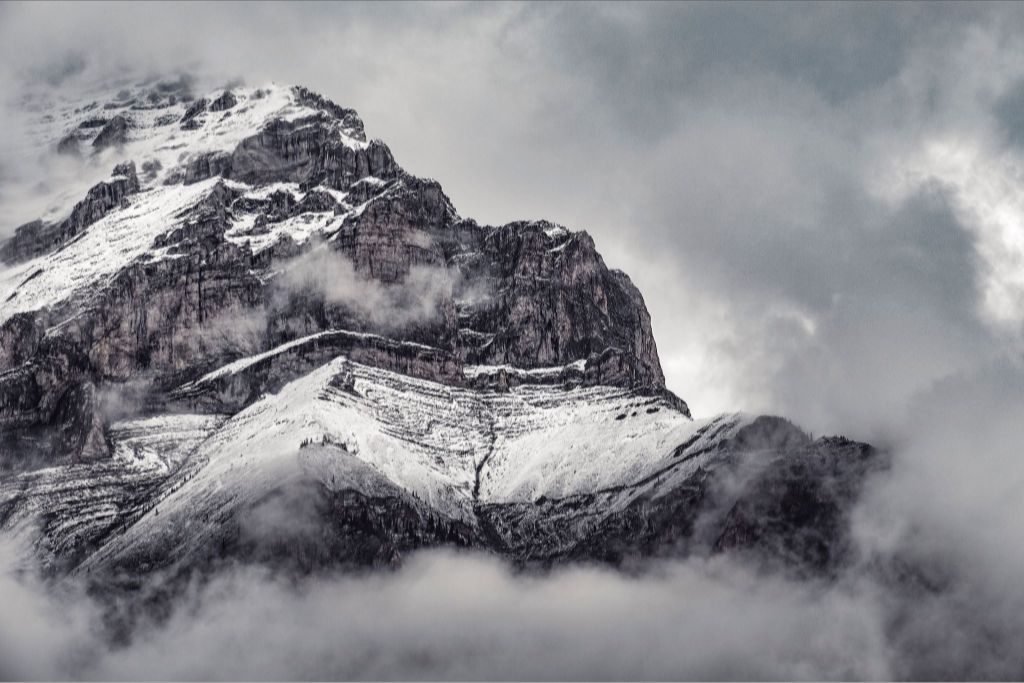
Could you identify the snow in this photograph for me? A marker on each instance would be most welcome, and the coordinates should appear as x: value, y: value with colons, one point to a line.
x: 81, y: 501
x: 221, y: 131
x: 160, y: 443
x: 430, y: 439
x: 556, y: 231
x: 474, y: 371
x: 243, y: 363
x: 156, y: 136
x: 126, y: 234
x: 370, y: 180
x: 300, y: 228
x: 560, y: 247
x: 102, y: 250
x: 264, y: 192
x: 156, y: 141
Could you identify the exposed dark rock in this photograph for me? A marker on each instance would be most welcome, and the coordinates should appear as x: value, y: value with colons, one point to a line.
x: 548, y: 300
x: 231, y: 393
x: 114, y: 133
x: 150, y: 168
x: 308, y: 151
x: 795, y: 511
x: 226, y: 101
x: 780, y: 501
x: 37, y: 237
x: 207, y: 165
x: 193, y: 111
x: 81, y: 424
x: 69, y: 145
x: 29, y: 240
x: 98, y: 122
x: 350, y: 121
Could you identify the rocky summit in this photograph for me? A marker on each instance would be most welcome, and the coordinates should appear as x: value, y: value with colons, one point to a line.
x: 261, y: 340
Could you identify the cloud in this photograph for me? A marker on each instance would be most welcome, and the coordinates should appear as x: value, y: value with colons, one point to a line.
x: 948, y: 518
x: 448, y: 616
x: 43, y: 632
x: 421, y: 296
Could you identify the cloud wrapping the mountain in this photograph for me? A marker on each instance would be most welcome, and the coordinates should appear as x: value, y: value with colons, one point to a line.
x: 467, y: 617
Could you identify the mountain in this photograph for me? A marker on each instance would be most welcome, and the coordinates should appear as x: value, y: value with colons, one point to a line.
x: 260, y: 340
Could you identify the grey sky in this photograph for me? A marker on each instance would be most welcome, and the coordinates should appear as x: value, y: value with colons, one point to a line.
x: 794, y: 187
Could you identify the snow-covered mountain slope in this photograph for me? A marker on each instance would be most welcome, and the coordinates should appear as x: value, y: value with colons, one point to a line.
x: 260, y: 339
x: 110, y: 245
x: 480, y: 466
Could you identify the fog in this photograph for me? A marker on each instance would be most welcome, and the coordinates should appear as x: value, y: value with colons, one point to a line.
x: 420, y: 296
x: 821, y: 206
x: 448, y: 616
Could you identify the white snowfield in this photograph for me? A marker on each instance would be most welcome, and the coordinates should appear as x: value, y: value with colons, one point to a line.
x: 351, y: 426
x: 85, y: 499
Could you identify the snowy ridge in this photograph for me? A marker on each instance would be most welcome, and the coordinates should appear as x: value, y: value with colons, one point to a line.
x: 474, y: 371
x: 449, y: 447
x: 98, y: 253
x: 83, y: 502
x: 242, y: 364
x: 162, y: 147
x: 244, y: 232
x: 248, y: 361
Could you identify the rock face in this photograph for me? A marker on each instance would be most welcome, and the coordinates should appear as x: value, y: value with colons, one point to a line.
x: 277, y: 314
x: 37, y: 237
x: 114, y: 133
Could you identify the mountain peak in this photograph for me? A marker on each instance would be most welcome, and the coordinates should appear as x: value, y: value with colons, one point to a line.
x: 267, y: 204
x: 254, y: 302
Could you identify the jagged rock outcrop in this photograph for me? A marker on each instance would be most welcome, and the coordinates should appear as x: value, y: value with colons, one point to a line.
x: 528, y: 295
x: 552, y: 300
x: 36, y: 237
x: 114, y: 133
x: 190, y: 120
x: 226, y: 101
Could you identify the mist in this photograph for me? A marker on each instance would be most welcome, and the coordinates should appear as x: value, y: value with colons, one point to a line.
x: 821, y: 206
x: 420, y: 296
x: 469, y: 617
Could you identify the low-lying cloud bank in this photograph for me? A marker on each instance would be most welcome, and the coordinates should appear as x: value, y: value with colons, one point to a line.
x: 448, y: 616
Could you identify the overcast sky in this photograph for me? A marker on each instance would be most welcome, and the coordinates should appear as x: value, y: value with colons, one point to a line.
x: 820, y: 203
